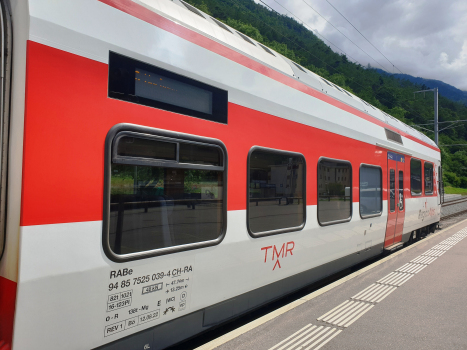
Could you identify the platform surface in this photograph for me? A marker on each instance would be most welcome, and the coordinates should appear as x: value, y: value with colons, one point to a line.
x: 414, y: 299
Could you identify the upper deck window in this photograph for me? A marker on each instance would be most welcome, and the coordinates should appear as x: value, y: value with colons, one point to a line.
x: 139, y: 82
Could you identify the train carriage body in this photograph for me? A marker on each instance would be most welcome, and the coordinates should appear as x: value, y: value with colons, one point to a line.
x: 163, y: 173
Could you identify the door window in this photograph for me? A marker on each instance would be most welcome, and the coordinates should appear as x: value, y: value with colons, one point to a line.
x: 401, y: 190
x: 392, y: 190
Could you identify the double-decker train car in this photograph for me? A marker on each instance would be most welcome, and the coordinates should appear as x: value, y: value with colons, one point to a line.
x: 162, y: 173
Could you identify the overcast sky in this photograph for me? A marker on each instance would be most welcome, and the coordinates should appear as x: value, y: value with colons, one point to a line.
x: 424, y: 38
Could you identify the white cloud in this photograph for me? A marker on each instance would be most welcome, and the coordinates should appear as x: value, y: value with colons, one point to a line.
x: 423, y: 38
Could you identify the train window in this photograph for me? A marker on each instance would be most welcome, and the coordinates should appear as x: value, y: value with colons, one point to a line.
x: 428, y: 171
x: 138, y: 82
x: 299, y: 67
x: 276, y: 192
x: 371, y: 199
x: 401, y: 190
x: 266, y: 49
x: 244, y: 37
x: 334, y: 191
x: 164, y: 193
x: 192, y: 9
x: 416, y: 177
x: 392, y: 190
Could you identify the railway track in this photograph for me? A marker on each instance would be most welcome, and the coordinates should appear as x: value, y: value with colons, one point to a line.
x: 453, y: 214
x: 457, y: 201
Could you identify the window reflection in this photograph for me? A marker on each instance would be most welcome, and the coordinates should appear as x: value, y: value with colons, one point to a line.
x: 334, y: 191
x: 370, y: 191
x: 276, y: 191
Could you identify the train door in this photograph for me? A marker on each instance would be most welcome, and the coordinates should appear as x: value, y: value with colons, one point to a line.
x: 396, y: 200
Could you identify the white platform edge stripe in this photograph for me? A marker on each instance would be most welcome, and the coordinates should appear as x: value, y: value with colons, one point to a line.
x: 388, y: 276
x: 399, y: 278
x: 327, y: 313
x: 360, y: 315
x: 307, y: 326
x: 382, y: 297
x: 343, y: 312
x: 377, y: 293
x: 350, y: 315
x: 305, y: 339
x: 367, y: 291
x: 320, y: 333
x: 327, y: 340
x: 326, y: 334
x: 302, y: 337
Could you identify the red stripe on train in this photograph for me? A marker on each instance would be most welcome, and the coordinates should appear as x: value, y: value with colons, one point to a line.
x: 68, y: 115
x: 144, y: 14
x: 7, y: 311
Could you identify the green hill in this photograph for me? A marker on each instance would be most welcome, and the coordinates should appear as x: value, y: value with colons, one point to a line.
x: 392, y: 95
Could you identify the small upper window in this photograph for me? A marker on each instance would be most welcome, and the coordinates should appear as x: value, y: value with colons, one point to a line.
x: 220, y: 24
x: 192, y: 9
x: 276, y: 192
x: 334, y: 194
x: 247, y: 39
x: 371, y: 199
x: 266, y: 49
x: 428, y: 168
x: 141, y: 83
x: 299, y: 67
x: 327, y: 82
x: 416, y: 176
x: 164, y: 193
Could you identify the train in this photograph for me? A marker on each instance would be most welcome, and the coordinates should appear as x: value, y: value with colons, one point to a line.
x: 163, y: 173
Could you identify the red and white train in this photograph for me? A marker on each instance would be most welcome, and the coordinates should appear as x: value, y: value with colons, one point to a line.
x: 162, y: 173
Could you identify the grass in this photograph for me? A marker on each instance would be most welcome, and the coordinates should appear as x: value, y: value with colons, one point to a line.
x: 455, y: 190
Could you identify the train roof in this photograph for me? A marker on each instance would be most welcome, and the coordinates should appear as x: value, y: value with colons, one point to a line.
x: 192, y: 17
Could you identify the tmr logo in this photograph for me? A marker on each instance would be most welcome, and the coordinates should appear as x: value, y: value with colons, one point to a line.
x: 281, y: 253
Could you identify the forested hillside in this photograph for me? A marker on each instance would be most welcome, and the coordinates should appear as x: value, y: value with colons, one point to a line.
x: 446, y: 90
x: 392, y: 95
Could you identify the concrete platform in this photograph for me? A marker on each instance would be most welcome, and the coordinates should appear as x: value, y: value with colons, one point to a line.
x: 413, y: 299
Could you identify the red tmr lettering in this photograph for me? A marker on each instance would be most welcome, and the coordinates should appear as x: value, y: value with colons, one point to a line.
x: 283, y: 252
x: 289, y: 250
x: 274, y: 251
x: 266, y: 253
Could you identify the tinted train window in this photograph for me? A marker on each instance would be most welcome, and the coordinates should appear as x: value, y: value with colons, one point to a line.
x: 276, y: 192
x: 138, y: 82
x: 392, y: 190
x: 334, y: 191
x: 416, y: 176
x: 371, y: 199
x: 428, y: 178
x: 401, y: 190
x: 164, y: 193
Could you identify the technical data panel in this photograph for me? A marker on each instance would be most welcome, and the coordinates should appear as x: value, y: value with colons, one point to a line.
x: 144, y: 296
